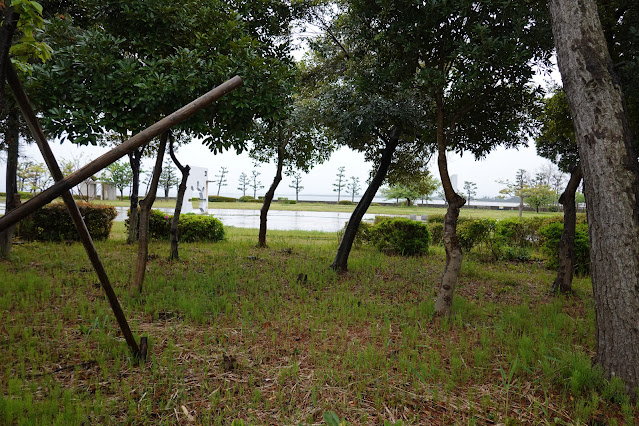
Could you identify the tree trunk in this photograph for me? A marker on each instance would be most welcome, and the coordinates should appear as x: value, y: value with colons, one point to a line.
x: 11, y: 139
x: 454, y: 255
x: 185, y: 170
x: 340, y: 263
x: 521, y: 205
x: 563, y: 282
x: 145, y: 210
x: 268, y: 197
x: 135, y: 158
x: 7, y: 30
x: 611, y: 182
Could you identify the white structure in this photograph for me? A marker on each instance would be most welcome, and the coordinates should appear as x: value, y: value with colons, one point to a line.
x: 453, y: 181
x: 88, y: 189
x: 108, y: 191
x: 197, y: 186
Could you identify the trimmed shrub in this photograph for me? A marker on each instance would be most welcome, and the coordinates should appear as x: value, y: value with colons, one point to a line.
x: 24, y: 195
x: 436, y: 232
x: 551, y: 235
x: 362, y: 236
x: 403, y: 236
x: 191, y: 227
x: 53, y: 222
x: 345, y: 202
x: 519, y: 232
x: 246, y: 199
x: 283, y: 200
x: 292, y: 202
x: 220, y: 199
x: 436, y: 218
x: 474, y: 231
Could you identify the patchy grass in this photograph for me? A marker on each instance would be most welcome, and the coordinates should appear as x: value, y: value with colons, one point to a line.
x: 273, y: 336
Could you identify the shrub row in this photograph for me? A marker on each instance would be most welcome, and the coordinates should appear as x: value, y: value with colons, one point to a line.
x: 191, y: 227
x: 393, y: 235
x: 220, y: 199
x: 24, y: 195
x: 53, y: 222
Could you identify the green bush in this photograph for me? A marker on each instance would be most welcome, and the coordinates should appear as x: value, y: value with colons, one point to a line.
x: 362, y: 236
x: 292, y: 202
x: 519, y: 232
x: 436, y: 232
x: 246, y: 199
x: 474, y: 231
x: 436, y: 218
x: 191, y: 227
x: 402, y: 236
x: 346, y: 202
x: 220, y: 199
x: 282, y: 200
x: 551, y: 235
x: 24, y: 195
x: 53, y: 222
x: 379, y: 219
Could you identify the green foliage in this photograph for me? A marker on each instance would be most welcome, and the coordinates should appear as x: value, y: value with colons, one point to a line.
x: 245, y: 199
x: 221, y: 199
x: 519, y: 232
x: 550, y: 237
x: 53, y: 222
x: 119, y: 174
x: 436, y: 231
x: 191, y: 227
x: 473, y: 232
x: 402, y: 236
x: 28, y: 46
x: 346, y: 202
x: 362, y: 236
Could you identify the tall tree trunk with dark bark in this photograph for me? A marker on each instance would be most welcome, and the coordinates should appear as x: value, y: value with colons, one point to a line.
x: 9, y: 25
x: 611, y: 182
x: 268, y: 197
x: 145, y: 210
x: 340, y: 263
x: 135, y: 159
x: 563, y: 282
x: 11, y: 139
x: 453, y: 249
x: 185, y: 170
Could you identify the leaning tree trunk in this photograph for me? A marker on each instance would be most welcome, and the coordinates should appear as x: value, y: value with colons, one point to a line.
x: 611, y: 182
x: 340, y: 263
x: 563, y: 282
x: 145, y: 210
x: 135, y: 158
x: 453, y: 249
x: 11, y: 139
x: 268, y: 197
x: 185, y: 170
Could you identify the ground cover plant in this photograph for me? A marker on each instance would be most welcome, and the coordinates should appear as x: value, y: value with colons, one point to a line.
x: 273, y: 336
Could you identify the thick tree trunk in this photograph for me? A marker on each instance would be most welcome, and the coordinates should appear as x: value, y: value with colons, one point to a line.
x: 11, y: 139
x: 185, y: 170
x: 611, y: 182
x: 145, y: 210
x: 7, y: 30
x: 268, y: 197
x: 135, y: 158
x: 563, y: 282
x: 453, y: 249
x: 340, y: 263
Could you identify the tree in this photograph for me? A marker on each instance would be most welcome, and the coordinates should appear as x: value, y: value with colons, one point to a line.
x: 340, y: 183
x: 168, y: 177
x: 297, y: 184
x: 353, y: 188
x: 184, y: 170
x: 611, y: 182
x: 255, y: 183
x: 243, y: 183
x: 221, y: 179
x: 518, y: 188
x: 539, y: 195
x: 421, y: 185
x: 118, y: 174
x: 470, y: 189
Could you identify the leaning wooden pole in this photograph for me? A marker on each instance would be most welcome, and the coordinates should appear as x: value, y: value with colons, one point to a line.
x: 118, y: 152
x: 34, y: 126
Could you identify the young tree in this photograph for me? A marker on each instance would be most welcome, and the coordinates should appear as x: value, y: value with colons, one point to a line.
x: 221, y: 179
x: 340, y: 183
x: 184, y: 170
x: 520, y: 188
x: 353, y: 188
x: 255, y: 183
x: 119, y: 175
x: 470, y: 189
x: 297, y: 184
x: 611, y: 182
x: 539, y: 195
x: 243, y: 183
x: 168, y: 177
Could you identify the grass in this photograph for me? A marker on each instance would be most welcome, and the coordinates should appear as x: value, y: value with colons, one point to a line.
x: 235, y: 334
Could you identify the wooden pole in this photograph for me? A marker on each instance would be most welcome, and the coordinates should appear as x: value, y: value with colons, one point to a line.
x: 74, y: 211
x: 118, y: 152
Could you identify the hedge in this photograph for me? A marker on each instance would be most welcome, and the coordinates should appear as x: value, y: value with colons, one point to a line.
x: 53, y: 222
x: 220, y: 199
x: 191, y: 227
x: 400, y: 235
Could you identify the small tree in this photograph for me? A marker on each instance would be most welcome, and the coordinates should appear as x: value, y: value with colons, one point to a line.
x: 221, y: 179
x: 255, y: 183
x: 340, y: 182
x: 243, y: 183
x: 470, y: 189
x: 353, y: 187
x: 539, y: 195
x: 168, y: 177
x: 518, y: 188
x: 118, y: 174
x: 296, y: 185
